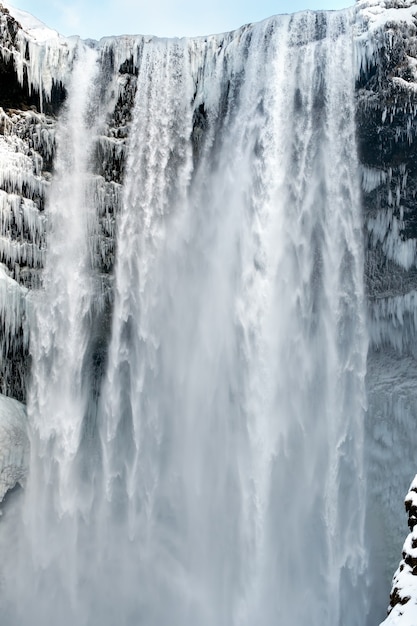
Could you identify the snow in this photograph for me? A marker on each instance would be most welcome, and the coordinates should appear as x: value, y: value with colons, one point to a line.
x: 14, y: 446
x: 46, y: 55
x: 374, y: 21
x: 378, y: 15
x: 404, y: 583
x: 34, y: 27
x: 403, y: 614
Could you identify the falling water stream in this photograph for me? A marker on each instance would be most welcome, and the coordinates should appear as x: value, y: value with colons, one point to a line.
x: 220, y: 482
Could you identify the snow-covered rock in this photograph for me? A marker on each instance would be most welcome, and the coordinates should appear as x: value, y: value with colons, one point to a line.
x: 41, y: 56
x: 14, y: 446
x: 403, y: 600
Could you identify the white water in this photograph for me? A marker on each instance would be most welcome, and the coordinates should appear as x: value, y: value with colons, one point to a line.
x: 59, y: 391
x: 220, y: 480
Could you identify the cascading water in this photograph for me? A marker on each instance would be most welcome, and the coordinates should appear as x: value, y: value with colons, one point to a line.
x: 220, y: 482
x: 59, y: 393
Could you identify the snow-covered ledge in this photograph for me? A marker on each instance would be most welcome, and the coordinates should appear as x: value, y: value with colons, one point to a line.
x: 402, y: 610
x: 14, y: 445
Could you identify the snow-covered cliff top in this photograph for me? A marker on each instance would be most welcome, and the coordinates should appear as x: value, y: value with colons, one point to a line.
x: 38, y: 52
x: 34, y: 28
x: 379, y: 13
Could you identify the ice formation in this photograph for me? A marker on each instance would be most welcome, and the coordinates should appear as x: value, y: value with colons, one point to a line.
x: 14, y: 445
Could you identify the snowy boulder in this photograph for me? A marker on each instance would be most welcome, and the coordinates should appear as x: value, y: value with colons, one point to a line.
x: 402, y: 610
x: 14, y: 444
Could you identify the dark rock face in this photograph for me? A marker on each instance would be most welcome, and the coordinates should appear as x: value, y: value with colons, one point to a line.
x: 386, y: 132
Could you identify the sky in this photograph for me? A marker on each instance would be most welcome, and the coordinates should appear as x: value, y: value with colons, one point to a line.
x: 165, y: 18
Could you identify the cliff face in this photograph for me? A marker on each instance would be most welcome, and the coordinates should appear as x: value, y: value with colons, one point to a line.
x: 35, y: 69
x: 386, y: 135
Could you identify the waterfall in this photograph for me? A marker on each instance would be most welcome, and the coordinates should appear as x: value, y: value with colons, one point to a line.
x: 58, y: 398
x: 218, y: 480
